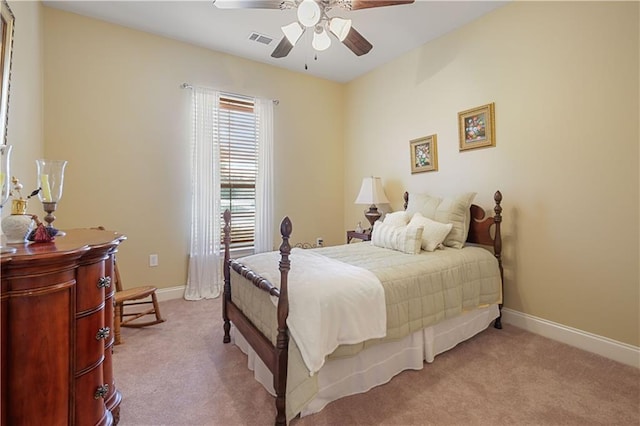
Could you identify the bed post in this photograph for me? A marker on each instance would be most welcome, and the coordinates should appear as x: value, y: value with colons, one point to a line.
x: 497, y: 249
x: 226, y: 297
x: 282, y: 342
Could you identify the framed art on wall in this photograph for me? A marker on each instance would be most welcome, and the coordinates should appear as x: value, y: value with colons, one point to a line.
x: 424, y: 154
x: 477, y: 127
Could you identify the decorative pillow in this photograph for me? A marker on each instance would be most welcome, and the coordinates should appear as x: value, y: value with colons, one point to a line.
x: 400, y: 218
x: 434, y: 232
x: 453, y: 210
x: 406, y: 239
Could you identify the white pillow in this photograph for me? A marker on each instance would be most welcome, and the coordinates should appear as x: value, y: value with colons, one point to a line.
x: 400, y: 218
x: 407, y: 239
x: 434, y: 232
x: 454, y: 210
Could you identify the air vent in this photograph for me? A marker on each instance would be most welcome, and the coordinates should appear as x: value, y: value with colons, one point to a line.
x: 260, y: 38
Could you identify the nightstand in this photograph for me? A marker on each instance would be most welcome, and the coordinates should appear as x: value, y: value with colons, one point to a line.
x: 360, y: 235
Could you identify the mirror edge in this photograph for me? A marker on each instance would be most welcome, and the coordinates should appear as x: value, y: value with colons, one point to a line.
x: 5, y: 64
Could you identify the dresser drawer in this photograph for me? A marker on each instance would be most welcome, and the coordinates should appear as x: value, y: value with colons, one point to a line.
x: 36, y: 348
x: 91, y: 285
x: 90, y: 393
x: 91, y: 335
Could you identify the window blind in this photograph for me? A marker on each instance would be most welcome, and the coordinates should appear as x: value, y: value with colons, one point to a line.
x: 238, y: 137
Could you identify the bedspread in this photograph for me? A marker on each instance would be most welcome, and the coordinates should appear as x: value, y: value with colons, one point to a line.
x: 420, y: 290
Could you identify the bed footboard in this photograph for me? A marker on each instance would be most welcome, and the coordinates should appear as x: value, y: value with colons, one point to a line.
x: 274, y: 357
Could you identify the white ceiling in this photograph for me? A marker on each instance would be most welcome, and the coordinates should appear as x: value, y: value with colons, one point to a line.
x: 392, y: 30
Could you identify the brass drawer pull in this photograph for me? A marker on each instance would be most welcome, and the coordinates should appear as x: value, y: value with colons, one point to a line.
x: 101, y: 392
x: 103, y: 333
x: 104, y: 282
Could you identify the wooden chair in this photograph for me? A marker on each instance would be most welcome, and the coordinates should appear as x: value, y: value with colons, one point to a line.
x: 133, y: 297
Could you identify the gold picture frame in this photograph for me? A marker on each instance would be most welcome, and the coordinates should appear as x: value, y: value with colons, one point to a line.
x: 476, y: 127
x: 424, y: 154
x: 6, y: 29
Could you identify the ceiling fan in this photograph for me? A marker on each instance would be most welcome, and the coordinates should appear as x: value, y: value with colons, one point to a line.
x: 312, y: 15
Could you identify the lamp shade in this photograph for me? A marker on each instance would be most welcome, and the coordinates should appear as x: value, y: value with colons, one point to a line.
x: 340, y: 27
x: 371, y: 192
x: 309, y: 13
x: 293, y: 32
x: 321, y: 40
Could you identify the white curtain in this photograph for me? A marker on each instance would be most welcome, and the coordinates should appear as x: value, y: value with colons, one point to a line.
x: 204, y: 278
x: 264, y: 182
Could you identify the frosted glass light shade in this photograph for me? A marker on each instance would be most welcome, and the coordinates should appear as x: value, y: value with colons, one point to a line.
x: 293, y: 32
x: 371, y: 192
x: 50, y: 179
x: 340, y: 27
x: 321, y: 40
x: 309, y: 13
x: 5, y: 173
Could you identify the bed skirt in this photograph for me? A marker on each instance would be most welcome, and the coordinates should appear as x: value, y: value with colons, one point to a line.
x: 378, y: 364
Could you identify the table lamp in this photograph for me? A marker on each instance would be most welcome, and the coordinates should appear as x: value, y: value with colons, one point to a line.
x: 372, y: 193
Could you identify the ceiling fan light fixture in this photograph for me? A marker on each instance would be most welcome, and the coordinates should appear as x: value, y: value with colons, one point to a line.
x: 309, y: 13
x: 293, y: 32
x: 340, y: 27
x: 321, y: 40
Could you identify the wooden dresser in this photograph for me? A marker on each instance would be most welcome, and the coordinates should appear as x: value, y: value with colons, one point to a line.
x: 56, y: 318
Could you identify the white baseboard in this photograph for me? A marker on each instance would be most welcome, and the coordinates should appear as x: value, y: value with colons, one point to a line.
x: 171, y: 293
x: 609, y: 348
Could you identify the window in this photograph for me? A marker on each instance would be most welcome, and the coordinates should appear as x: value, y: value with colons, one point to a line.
x: 238, y: 136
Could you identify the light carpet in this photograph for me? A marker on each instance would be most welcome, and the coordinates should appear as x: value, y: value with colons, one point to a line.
x: 179, y: 373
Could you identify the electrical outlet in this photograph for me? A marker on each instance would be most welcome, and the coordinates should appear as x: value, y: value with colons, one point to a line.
x: 153, y: 260
x: 319, y: 242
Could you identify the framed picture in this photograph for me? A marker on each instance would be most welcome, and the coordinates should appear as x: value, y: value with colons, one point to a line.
x: 477, y: 127
x: 424, y: 154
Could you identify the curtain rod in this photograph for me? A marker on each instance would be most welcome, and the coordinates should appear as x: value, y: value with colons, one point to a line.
x: 189, y: 86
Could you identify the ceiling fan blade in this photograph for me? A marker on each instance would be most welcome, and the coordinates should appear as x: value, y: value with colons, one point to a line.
x: 357, y: 43
x: 252, y: 4
x: 282, y: 49
x: 366, y: 4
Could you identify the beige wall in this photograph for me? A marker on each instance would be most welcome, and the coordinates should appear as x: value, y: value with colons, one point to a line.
x: 25, y: 125
x: 564, y: 79
x: 115, y: 110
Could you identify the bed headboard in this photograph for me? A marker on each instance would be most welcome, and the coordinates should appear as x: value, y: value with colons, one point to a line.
x: 480, y: 226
